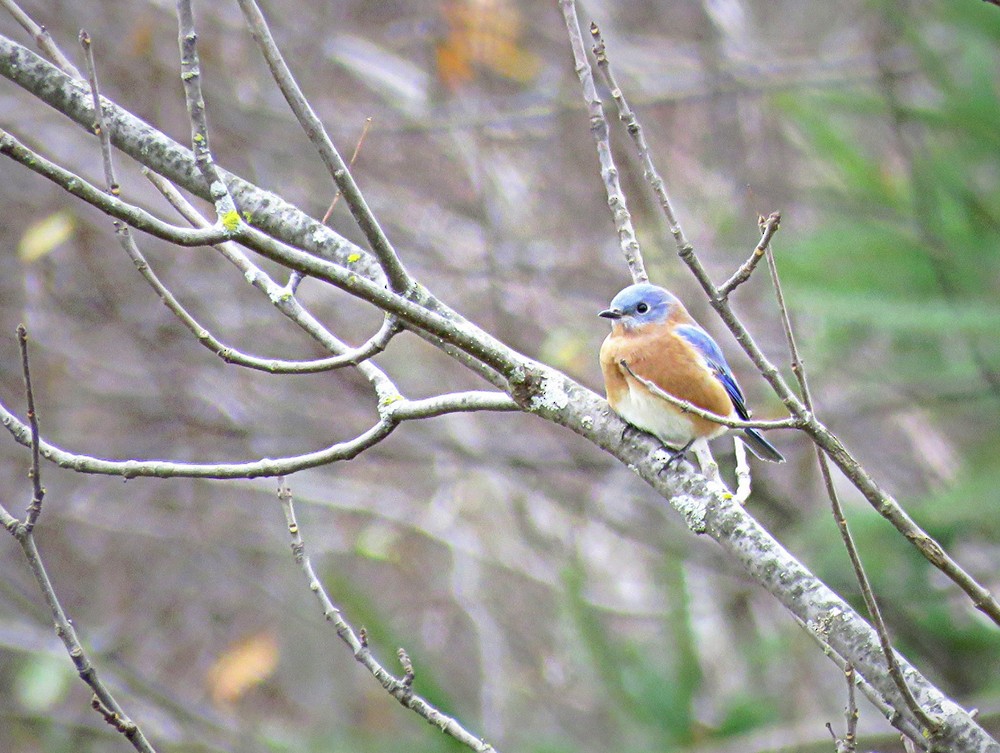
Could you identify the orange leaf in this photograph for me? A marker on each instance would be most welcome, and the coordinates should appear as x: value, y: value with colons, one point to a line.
x: 243, y: 665
x: 484, y: 34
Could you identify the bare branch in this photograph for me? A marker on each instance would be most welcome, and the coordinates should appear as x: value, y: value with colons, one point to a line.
x: 42, y: 38
x: 266, y: 467
x: 99, y: 130
x: 394, y: 410
x: 602, y: 138
x: 401, y: 690
x: 38, y: 493
x: 67, y: 633
x: 867, y: 593
x: 732, y: 423
x: 225, y: 207
x: 627, y: 116
x: 399, y: 278
x: 768, y: 227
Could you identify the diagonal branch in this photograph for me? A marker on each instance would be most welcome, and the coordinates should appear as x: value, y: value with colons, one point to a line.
x: 104, y: 701
x: 313, y: 126
x: 867, y: 593
x: 686, y: 407
x: 401, y: 690
x: 627, y: 116
x: 602, y: 138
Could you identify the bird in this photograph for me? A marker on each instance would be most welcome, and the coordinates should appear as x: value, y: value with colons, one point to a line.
x: 653, y: 337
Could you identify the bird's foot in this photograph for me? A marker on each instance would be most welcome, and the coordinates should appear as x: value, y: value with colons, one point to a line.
x: 675, y: 455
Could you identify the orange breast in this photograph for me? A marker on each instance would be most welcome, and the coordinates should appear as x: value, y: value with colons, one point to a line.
x: 655, y: 353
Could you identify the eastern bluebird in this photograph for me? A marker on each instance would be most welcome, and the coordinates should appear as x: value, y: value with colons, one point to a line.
x: 653, y: 333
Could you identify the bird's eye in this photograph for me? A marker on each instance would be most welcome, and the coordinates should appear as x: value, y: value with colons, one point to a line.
x: 642, y: 308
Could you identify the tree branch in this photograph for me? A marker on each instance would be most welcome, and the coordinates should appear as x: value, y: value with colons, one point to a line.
x: 399, y: 278
x: 602, y: 138
x: 401, y: 690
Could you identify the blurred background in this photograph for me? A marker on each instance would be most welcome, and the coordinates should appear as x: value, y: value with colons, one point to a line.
x: 548, y: 598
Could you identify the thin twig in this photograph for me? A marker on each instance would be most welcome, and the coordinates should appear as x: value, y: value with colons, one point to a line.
x: 24, y: 534
x: 602, y: 138
x: 849, y: 742
x: 400, y: 689
x: 798, y: 368
x: 38, y: 493
x: 768, y: 227
x: 628, y: 118
x: 851, y: 713
x: 225, y: 207
x: 357, y: 150
x: 99, y: 130
x: 686, y: 407
x: 399, y: 278
x: 42, y: 38
x: 67, y: 633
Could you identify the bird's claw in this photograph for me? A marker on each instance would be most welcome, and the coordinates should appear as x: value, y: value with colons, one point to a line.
x: 675, y: 455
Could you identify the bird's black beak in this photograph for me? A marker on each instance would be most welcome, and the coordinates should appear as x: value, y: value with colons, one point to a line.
x: 612, y: 314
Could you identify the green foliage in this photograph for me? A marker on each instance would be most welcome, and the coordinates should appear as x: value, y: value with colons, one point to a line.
x: 905, y: 265
x: 910, y: 192
x: 652, y: 690
x: 639, y: 688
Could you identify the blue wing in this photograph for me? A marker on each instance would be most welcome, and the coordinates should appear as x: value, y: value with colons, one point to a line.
x: 702, y: 342
x: 710, y: 351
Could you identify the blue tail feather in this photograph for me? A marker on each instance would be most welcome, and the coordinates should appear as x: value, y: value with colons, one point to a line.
x: 761, y: 447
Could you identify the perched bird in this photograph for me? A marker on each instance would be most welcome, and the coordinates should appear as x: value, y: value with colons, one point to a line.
x: 654, y: 335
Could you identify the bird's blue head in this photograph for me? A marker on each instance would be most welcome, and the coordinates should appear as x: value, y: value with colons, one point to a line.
x: 640, y: 304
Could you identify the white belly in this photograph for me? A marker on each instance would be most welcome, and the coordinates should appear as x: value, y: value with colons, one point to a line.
x: 655, y: 415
